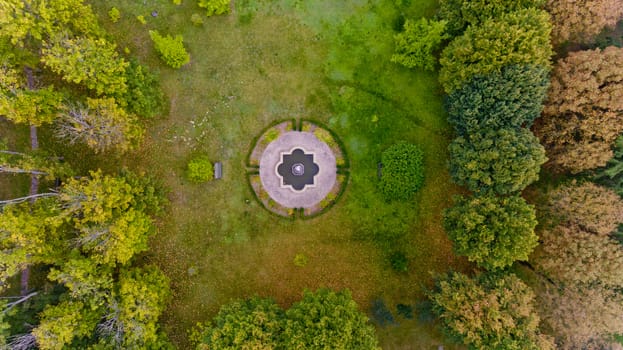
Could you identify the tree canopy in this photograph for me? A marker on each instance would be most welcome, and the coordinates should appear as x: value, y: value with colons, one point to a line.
x: 582, y: 20
x: 502, y: 161
x: 570, y: 255
x: 417, y: 44
x: 583, y: 114
x: 327, y: 320
x: 520, y: 37
x: 489, y: 311
x: 509, y: 98
x: 590, y: 207
x: 101, y: 125
x: 581, y: 316
x: 492, y: 231
x: 83, y: 60
x: 321, y: 320
x: 462, y: 13
x: 244, y: 324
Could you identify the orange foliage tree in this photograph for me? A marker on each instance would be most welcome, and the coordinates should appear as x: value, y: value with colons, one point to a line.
x: 582, y: 20
x: 584, y: 112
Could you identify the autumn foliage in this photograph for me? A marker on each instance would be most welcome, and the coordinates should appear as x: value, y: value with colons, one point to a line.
x: 582, y: 20
x: 584, y: 112
x: 489, y: 311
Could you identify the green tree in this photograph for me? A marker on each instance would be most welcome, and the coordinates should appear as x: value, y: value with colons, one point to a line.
x: 143, y: 294
x: 492, y: 231
x: 29, y: 233
x: 572, y: 256
x: 83, y: 60
x: 489, y: 311
x: 84, y: 278
x: 509, y: 98
x: 34, y: 163
x: 102, y: 125
x: 244, y: 324
x: 327, y: 320
x: 403, y: 171
x: 143, y: 96
x: 31, y: 107
x: 24, y: 21
x: 109, y: 224
x: 214, y: 7
x: 61, y: 323
x: 462, y: 13
x: 520, y: 37
x: 171, y: 49
x: 503, y: 161
x: 417, y: 44
x: 612, y: 174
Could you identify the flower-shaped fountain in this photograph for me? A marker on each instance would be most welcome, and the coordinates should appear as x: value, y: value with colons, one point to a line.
x: 297, y: 169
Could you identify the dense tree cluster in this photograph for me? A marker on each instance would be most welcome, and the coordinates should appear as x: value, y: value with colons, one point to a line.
x: 581, y: 265
x: 321, y: 320
x: 583, y: 113
x: 89, y: 231
x: 64, y: 38
x: 496, y: 72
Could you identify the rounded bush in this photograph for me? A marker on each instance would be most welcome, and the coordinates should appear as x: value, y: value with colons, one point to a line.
x: 200, y: 169
x: 403, y: 171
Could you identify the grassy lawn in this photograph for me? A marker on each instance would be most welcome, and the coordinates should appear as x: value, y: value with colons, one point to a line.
x: 270, y: 60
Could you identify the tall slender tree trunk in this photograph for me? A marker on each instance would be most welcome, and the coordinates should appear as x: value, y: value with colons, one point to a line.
x: 34, y: 180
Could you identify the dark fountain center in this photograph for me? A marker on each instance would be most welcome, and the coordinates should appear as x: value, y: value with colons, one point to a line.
x: 297, y: 169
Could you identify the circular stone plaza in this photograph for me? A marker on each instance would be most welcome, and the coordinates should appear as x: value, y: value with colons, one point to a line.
x: 296, y: 169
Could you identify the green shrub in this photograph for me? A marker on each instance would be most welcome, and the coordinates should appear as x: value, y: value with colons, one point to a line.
x: 141, y: 19
x: 300, y: 260
x: 143, y: 95
x: 114, y: 14
x: 399, y: 261
x: 215, y: 7
x: 171, y: 49
x: 200, y: 169
x: 403, y: 171
x: 196, y: 19
x: 271, y: 135
x: 325, y: 136
x: 417, y: 44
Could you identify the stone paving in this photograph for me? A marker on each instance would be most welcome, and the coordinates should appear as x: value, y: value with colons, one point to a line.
x: 323, y: 181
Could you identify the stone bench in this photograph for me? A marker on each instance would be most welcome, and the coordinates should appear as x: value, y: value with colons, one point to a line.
x: 218, y: 170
